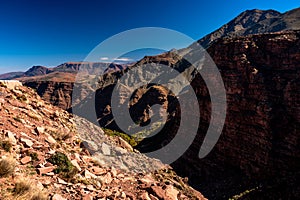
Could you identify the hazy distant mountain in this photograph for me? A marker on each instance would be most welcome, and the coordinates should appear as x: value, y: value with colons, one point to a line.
x: 10, y: 75
x: 71, y: 68
x: 255, y: 22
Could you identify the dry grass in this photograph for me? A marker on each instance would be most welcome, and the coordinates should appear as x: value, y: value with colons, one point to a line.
x: 7, y: 167
x: 23, y: 190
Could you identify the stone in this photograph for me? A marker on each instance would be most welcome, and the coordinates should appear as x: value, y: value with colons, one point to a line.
x: 105, y: 149
x: 11, y: 137
x: 107, y: 179
x: 97, y: 170
x: 39, y: 130
x: 158, y: 191
x: 27, y: 142
x: 57, y: 197
x: 89, y: 175
x: 50, y: 139
x: 171, y: 192
x: 87, y: 197
x: 90, y: 146
x: 125, y: 144
x: 113, y: 171
x: 90, y: 188
x: 61, y: 181
x: 145, y: 196
x: 152, y: 197
x: 45, y: 170
x: 25, y: 160
x: 75, y: 163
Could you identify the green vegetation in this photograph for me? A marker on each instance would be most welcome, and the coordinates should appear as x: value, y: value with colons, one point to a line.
x: 242, y: 194
x: 131, y: 140
x: 136, y: 138
x: 34, y: 156
x: 64, y: 166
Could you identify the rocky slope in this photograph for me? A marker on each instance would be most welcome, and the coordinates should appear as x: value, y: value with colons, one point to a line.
x: 46, y: 153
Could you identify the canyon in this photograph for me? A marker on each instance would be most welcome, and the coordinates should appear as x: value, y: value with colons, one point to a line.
x: 257, y: 155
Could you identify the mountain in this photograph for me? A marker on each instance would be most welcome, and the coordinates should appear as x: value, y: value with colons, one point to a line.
x: 66, y: 70
x: 37, y: 71
x: 259, y: 146
x: 47, y: 153
x: 254, y: 22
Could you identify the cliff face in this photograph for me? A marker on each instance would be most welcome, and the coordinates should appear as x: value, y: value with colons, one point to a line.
x: 259, y: 146
x: 260, y: 139
x: 57, y: 93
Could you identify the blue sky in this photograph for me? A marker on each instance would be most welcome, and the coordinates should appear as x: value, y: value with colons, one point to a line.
x: 50, y: 32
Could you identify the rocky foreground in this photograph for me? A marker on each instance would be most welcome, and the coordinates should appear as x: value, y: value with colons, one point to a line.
x: 46, y: 153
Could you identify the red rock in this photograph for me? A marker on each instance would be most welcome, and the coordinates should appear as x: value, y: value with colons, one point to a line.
x: 87, y: 197
x: 45, y: 170
x: 39, y: 130
x: 97, y: 170
x: 58, y: 197
x: 27, y: 142
x: 144, y: 196
x: 25, y: 160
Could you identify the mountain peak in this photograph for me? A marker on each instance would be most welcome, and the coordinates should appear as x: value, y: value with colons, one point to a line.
x: 255, y: 21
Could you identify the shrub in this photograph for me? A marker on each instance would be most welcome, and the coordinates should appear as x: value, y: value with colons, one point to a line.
x: 131, y: 140
x: 7, y: 167
x: 34, y: 156
x: 6, y: 145
x: 21, y: 188
x: 64, y: 166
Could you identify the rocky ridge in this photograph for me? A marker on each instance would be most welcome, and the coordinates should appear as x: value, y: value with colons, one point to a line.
x: 255, y: 22
x: 47, y: 153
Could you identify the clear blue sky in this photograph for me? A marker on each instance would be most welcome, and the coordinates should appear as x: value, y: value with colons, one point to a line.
x: 50, y: 32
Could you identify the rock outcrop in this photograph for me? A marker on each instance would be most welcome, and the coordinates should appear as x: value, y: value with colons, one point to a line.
x: 10, y: 83
x: 57, y: 93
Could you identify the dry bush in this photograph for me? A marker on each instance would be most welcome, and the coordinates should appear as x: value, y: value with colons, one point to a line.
x: 23, y: 190
x: 7, y: 167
